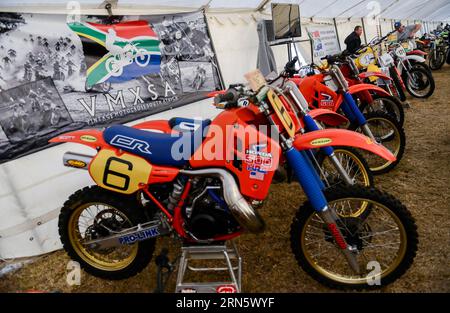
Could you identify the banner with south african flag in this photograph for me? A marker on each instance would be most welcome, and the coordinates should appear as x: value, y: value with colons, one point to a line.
x: 59, y: 74
x: 134, y: 50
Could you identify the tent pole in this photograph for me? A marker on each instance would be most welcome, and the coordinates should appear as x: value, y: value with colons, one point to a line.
x: 364, y: 29
x: 337, y: 33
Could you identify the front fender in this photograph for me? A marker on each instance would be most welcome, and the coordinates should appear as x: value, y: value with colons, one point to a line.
x: 367, y: 87
x: 340, y: 137
x: 328, y: 117
x: 415, y: 58
x: 417, y: 53
x: 365, y: 75
x: 89, y: 137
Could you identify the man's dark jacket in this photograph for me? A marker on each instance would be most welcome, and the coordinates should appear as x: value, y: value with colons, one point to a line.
x: 353, y: 42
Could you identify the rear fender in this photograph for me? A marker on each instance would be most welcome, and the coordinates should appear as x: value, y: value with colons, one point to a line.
x: 328, y: 117
x: 340, y: 137
x: 89, y: 137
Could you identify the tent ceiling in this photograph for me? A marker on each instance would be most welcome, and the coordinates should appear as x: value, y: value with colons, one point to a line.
x: 431, y: 10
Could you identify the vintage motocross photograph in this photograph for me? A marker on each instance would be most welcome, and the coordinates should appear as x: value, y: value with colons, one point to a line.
x: 215, y: 146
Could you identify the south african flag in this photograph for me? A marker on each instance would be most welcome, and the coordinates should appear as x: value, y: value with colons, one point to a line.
x: 138, y: 41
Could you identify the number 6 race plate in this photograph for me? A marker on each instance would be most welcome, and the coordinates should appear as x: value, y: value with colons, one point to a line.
x: 121, y: 173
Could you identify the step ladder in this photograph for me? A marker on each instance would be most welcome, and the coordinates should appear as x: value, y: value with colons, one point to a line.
x: 223, y: 253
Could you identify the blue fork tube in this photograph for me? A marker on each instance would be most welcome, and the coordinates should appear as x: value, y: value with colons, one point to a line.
x: 352, y: 111
x: 311, y: 125
x: 309, y: 155
x: 306, y: 176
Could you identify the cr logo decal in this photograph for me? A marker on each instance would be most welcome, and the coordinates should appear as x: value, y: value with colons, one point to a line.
x: 131, y: 143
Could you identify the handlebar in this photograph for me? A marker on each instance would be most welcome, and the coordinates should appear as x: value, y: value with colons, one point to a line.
x: 231, y: 95
x: 377, y: 42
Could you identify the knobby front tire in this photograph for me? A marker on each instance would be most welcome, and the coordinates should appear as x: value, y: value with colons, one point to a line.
x: 333, y: 274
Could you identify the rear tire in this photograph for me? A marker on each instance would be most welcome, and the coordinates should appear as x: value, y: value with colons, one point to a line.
x: 132, y: 214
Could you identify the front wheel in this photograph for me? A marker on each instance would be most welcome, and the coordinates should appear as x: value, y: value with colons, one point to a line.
x: 388, y: 132
x: 390, y: 105
x: 353, y: 163
x: 397, y: 83
x: 437, y: 60
x: 419, y: 82
x: 385, y: 241
x: 93, y: 213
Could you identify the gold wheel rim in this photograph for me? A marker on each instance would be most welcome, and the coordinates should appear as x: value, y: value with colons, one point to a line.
x: 84, y: 253
x: 362, y: 170
x: 396, y: 140
x: 354, y: 281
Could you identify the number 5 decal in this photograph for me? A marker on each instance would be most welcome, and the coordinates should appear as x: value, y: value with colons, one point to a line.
x: 119, y: 173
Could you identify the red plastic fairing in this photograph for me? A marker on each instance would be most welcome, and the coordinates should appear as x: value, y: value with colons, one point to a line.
x: 340, y: 137
x: 328, y: 117
x: 365, y: 75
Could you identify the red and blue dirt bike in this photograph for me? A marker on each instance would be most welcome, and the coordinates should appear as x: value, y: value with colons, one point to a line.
x: 175, y: 177
x: 329, y: 89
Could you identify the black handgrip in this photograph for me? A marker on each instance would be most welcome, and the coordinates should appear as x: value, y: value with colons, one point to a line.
x: 291, y: 64
x: 231, y: 95
x: 331, y: 58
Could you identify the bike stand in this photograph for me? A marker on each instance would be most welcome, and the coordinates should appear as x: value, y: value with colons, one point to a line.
x: 163, y: 271
x: 208, y: 252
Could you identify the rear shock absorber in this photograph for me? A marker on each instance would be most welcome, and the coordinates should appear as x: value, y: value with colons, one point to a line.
x: 175, y: 195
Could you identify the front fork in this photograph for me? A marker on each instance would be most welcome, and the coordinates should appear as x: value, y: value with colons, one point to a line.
x: 355, y: 115
x: 311, y: 125
x: 307, y: 177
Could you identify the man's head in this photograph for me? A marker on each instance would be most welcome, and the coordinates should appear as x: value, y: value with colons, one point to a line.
x: 399, y: 27
x: 358, y: 30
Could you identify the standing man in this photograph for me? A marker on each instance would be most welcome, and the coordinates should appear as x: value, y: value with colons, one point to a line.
x: 353, y: 41
x: 406, y: 32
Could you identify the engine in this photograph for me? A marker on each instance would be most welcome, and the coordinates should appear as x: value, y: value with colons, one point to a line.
x: 207, y: 215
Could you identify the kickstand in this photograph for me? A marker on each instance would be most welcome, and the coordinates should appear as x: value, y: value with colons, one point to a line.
x: 164, y: 269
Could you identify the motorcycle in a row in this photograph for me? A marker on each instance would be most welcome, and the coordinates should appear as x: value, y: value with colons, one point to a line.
x: 328, y: 128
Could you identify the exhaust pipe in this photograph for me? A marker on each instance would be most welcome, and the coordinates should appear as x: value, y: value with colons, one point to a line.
x: 77, y: 160
x: 241, y: 210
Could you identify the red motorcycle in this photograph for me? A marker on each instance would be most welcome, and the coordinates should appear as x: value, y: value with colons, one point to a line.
x: 328, y: 89
x: 204, y: 181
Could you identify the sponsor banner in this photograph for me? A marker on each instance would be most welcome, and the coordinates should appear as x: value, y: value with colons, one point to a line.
x: 324, y: 41
x: 58, y: 74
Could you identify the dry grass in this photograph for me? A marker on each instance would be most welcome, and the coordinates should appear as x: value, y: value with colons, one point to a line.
x: 421, y: 182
